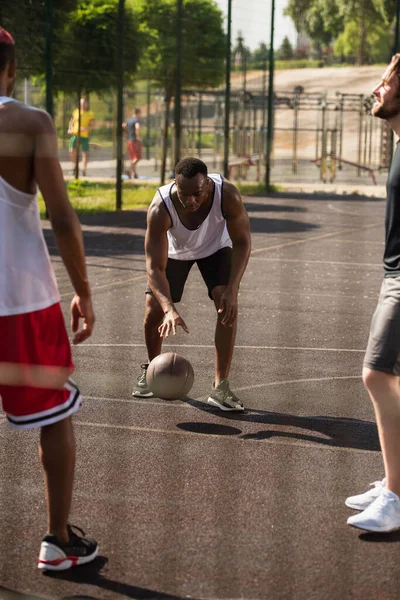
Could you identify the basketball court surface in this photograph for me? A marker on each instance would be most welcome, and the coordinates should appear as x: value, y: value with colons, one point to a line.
x: 187, y: 501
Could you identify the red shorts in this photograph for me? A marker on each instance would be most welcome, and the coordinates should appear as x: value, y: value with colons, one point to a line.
x: 35, y: 364
x: 135, y: 150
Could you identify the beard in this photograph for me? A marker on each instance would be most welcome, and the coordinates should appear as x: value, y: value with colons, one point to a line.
x: 386, y: 112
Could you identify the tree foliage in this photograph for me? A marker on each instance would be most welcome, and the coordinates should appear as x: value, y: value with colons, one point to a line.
x: 27, y: 21
x: 356, y: 25
x: 88, y: 60
x: 285, y: 52
x: 203, y: 42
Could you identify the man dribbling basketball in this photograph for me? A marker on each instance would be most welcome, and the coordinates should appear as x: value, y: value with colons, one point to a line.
x: 199, y: 218
x: 35, y: 354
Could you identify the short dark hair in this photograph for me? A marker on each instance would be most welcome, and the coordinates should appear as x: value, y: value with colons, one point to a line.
x: 137, y: 111
x: 190, y: 167
x: 7, y: 49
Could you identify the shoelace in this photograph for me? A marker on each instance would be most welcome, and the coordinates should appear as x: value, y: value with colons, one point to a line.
x: 378, y: 484
x: 142, y: 377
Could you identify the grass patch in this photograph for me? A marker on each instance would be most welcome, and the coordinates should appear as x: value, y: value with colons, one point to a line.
x: 89, y: 197
x: 256, y: 189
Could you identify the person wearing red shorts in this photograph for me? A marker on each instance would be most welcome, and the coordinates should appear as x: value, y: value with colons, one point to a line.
x: 35, y: 362
x: 134, y: 143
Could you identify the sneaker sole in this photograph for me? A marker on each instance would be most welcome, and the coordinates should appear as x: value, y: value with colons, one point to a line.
x: 374, y: 529
x: 142, y: 394
x: 358, y: 506
x: 213, y: 402
x: 67, y: 562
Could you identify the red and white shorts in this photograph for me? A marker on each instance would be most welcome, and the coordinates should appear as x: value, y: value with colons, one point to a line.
x: 35, y: 365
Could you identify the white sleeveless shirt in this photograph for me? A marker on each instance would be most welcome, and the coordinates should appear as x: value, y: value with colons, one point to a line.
x: 209, y: 237
x: 27, y: 280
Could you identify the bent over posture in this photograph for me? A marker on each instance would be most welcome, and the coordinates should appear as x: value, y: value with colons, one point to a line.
x: 199, y: 218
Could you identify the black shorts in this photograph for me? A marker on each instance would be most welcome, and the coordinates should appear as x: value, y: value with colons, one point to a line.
x: 215, y: 270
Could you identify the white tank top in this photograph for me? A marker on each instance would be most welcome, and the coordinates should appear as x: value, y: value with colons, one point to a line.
x: 209, y: 237
x: 27, y: 281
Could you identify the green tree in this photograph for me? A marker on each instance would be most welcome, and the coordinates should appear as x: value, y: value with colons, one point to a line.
x: 203, y: 50
x: 259, y: 57
x: 327, y: 20
x: 376, y: 46
x: 285, y: 52
x: 321, y: 20
x: 27, y: 22
x: 88, y: 59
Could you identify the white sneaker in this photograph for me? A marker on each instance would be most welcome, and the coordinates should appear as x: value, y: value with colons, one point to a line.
x: 362, y: 501
x: 383, y: 515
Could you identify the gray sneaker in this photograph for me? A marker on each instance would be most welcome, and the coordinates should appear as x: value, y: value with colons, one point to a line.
x: 222, y: 397
x: 141, y: 390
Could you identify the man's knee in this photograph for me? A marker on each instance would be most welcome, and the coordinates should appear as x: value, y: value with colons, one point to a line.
x: 216, y: 294
x: 377, y: 381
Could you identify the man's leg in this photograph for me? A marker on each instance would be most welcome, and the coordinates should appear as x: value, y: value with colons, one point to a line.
x: 384, y: 391
x: 57, y: 455
x: 153, y: 316
x: 85, y: 159
x: 224, y: 340
x: 221, y: 395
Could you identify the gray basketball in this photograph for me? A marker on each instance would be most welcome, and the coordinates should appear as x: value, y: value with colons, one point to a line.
x: 170, y: 376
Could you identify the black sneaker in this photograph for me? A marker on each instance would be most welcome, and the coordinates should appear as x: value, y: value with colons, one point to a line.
x: 141, y: 389
x: 56, y: 556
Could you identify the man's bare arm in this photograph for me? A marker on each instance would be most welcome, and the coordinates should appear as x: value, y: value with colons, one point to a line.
x: 238, y: 225
x: 156, y: 248
x: 64, y: 221
x: 137, y: 129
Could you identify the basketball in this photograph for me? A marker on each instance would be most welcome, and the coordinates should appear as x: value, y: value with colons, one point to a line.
x: 170, y: 376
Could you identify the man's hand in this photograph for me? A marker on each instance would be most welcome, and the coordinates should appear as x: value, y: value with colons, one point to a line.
x: 81, y: 308
x: 228, y: 307
x: 171, y: 321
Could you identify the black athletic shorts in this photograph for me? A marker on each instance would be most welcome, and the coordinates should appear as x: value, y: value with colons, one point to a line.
x: 215, y: 270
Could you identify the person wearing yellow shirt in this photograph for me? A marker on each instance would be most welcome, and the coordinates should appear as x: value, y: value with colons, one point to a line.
x: 87, y: 120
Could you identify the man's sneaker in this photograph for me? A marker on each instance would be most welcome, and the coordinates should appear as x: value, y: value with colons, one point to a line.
x: 383, y: 515
x: 362, y: 501
x: 222, y: 397
x: 141, y: 390
x: 56, y: 556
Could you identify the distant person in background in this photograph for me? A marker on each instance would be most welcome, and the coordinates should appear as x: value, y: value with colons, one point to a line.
x: 87, y: 121
x: 132, y: 126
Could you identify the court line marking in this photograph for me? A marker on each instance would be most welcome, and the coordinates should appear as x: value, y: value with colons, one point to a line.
x: 313, y: 238
x: 234, y: 438
x: 310, y: 294
x: 105, y: 285
x: 241, y: 389
x: 359, y: 242
x: 231, y: 437
x: 346, y: 212
x: 322, y: 262
x: 142, y: 345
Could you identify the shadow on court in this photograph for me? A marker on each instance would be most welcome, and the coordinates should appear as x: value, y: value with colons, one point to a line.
x: 254, y: 207
x: 278, y: 226
x: 342, y: 432
x: 328, y: 196
x: 91, y: 574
